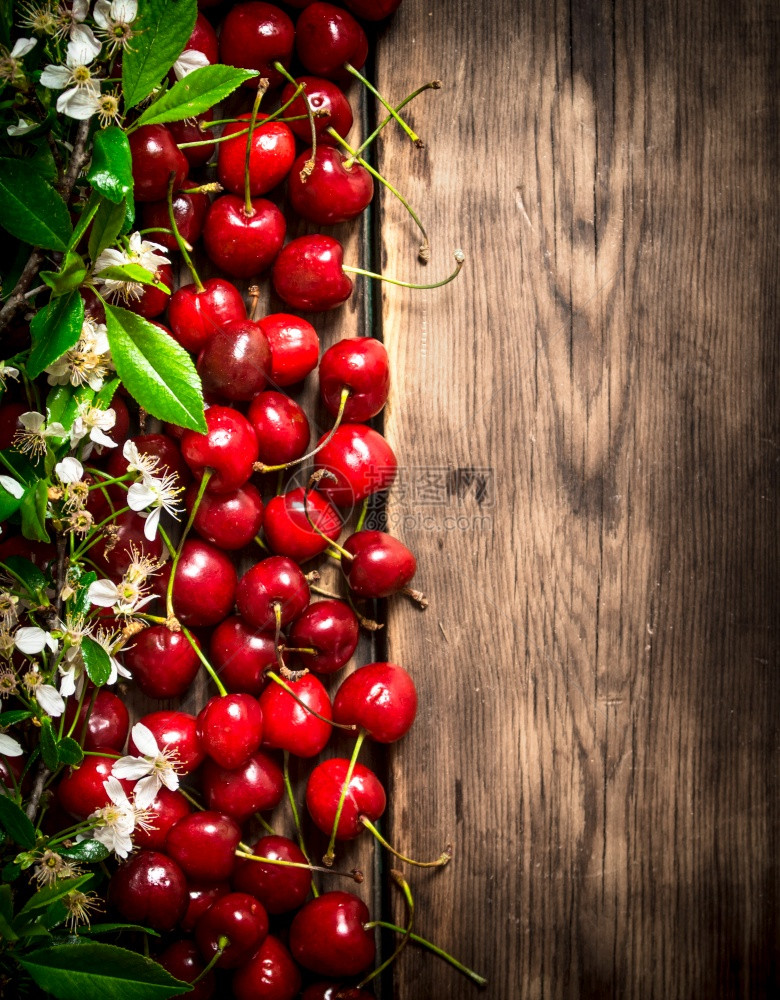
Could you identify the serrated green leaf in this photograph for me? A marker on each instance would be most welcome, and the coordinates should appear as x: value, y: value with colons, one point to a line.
x: 49, y: 750
x: 88, y: 851
x: 63, y: 402
x: 111, y: 171
x: 34, y: 580
x: 33, y: 510
x: 96, y: 660
x: 106, y: 227
x: 31, y: 209
x: 93, y: 969
x: 7, y: 933
x: 42, y: 161
x: 155, y: 369
x: 162, y: 31
x: 87, y: 215
x: 14, y: 717
x: 197, y: 92
x: 79, y: 604
x: 133, y: 272
x: 69, y: 752
x: 55, y: 329
x: 106, y: 394
x: 48, y: 894
x: 11, y: 872
x: 68, y: 278
x: 15, y: 823
x: 115, y: 928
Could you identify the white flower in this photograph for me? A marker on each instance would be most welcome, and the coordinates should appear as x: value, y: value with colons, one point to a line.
x: 188, y: 61
x: 70, y: 16
x: 15, y: 489
x: 84, y: 102
x: 151, y: 770
x: 139, y: 251
x: 114, y: 19
x: 69, y: 470
x: 22, y: 128
x: 32, y: 640
x: 32, y: 437
x: 92, y: 421
x: 8, y: 371
x: 125, y: 598
x: 11, y: 69
x: 9, y: 747
x: 22, y: 46
x: 47, y: 696
x: 82, y: 49
x: 157, y: 493
x: 88, y: 363
x: 138, y: 461
x: 115, y: 823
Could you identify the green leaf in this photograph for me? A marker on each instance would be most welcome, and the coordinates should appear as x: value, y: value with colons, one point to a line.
x: 155, y: 369
x: 69, y: 752
x: 133, y: 272
x: 92, y: 969
x: 44, y: 897
x: 115, y: 928
x: 63, y: 402
x: 13, y: 270
x: 106, y: 394
x: 68, y: 278
x: 106, y: 226
x: 96, y: 660
x: 33, y: 509
x: 55, y: 329
x: 15, y: 823
x: 6, y: 902
x: 88, y: 851
x: 197, y: 92
x: 49, y: 750
x: 34, y: 579
x: 111, y: 172
x: 7, y: 933
x: 42, y: 161
x: 9, y: 504
x: 162, y: 29
x: 79, y: 603
x: 31, y: 209
x: 87, y: 215
x: 14, y: 717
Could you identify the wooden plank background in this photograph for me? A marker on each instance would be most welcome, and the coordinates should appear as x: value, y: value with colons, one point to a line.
x: 587, y: 422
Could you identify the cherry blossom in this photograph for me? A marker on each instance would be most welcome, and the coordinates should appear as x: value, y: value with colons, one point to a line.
x: 153, y: 769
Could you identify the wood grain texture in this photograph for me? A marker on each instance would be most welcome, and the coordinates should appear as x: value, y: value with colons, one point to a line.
x: 587, y: 425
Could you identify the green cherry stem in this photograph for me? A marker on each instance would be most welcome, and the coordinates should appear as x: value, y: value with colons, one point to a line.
x: 369, y: 86
x: 296, y: 817
x: 356, y: 875
x: 403, y: 885
x: 261, y: 89
x: 283, y: 684
x: 309, y: 164
x: 330, y: 854
x: 265, y: 824
x: 201, y: 490
x: 181, y: 242
x: 224, y: 942
x: 209, y: 669
x: 433, y: 85
x: 442, y: 859
x: 260, y: 467
x: 362, y: 518
x: 312, y: 483
x: 473, y: 976
x: 459, y: 259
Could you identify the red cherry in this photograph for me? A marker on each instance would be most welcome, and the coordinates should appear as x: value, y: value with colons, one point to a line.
x: 228, y: 520
x: 153, y: 301
x: 381, y: 566
x: 272, y: 155
x: 380, y: 698
x: 278, y: 887
x: 362, y: 461
x: 107, y: 725
x: 204, y: 844
x: 196, y: 316
x: 236, y: 361
x: 372, y: 10
x: 241, y: 919
x: 327, y: 37
x: 115, y: 555
x: 189, y: 211
x: 183, y: 961
x: 255, y: 786
x: 334, y: 991
x: 204, y: 587
x: 203, y: 39
x: 365, y: 797
x: 287, y: 724
x: 158, y: 446
x: 189, y: 130
x: 155, y: 157
x: 149, y: 889
x: 241, y: 656
x: 281, y: 426
x: 331, y: 628
x: 325, y: 96
x: 81, y: 791
x: 307, y: 274
x: 273, y: 581
x: 328, y: 935
x: 331, y: 193
x: 295, y: 347
x: 177, y: 731
x: 270, y: 974
x: 229, y: 448
x: 359, y: 364
x: 166, y: 810
x: 230, y: 728
x: 255, y: 36
x: 288, y: 531
x: 120, y: 432
x: 243, y: 245
x: 202, y: 895
x: 162, y: 662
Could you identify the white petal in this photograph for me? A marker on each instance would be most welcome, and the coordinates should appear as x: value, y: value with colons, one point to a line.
x: 79, y: 9
x: 102, y: 13
x: 9, y: 747
x: 99, y: 437
x: 151, y: 524
x: 77, y: 432
x: 170, y: 779
x: 83, y: 46
x: 139, y: 496
x: 32, y: 421
x: 69, y: 470
x: 68, y: 683
x: 11, y: 485
x: 55, y: 430
x: 145, y: 792
x: 21, y: 129
x: 23, y: 46
x: 131, y: 768
x: 144, y: 740
x: 188, y: 61
x: 78, y: 102
x: 50, y: 700
x: 30, y: 640
x: 124, y: 11
x: 103, y: 593
x: 114, y: 790
x: 55, y: 77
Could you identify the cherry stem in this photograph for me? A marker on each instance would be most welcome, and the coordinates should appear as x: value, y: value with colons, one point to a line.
x: 296, y: 817
x: 403, y: 885
x: 191, y: 799
x: 224, y: 942
x: 331, y: 853
x: 260, y: 467
x: 284, y: 670
x: 298, y: 649
x: 417, y: 596
x: 181, y: 242
x: 459, y: 259
x: 254, y: 299
x: 473, y: 976
x: 309, y: 164
x: 283, y: 684
x: 424, y: 252
x: 369, y: 86
x: 363, y: 512
x: 261, y: 89
x: 442, y: 859
x: 356, y: 875
x: 209, y: 669
x: 261, y: 543
x: 433, y: 85
x: 201, y: 490
x: 211, y: 142
x: 313, y: 481
x: 265, y: 824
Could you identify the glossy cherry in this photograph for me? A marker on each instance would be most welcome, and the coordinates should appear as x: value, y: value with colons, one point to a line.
x: 241, y: 655
x: 203, y: 39
x: 380, y: 698
x: 295, y: 347
x: 280, y: 888
x: 270, y: 974
x: 189, y: 211
x: 240, y: 244
x: 365, y: 797
x: 189, y: 130
x: 281, y: 426
x: 204, y: 844
x: 163, y: 663
x: 155, y: 156
x: 334, y: 991
x: 236, y: 362
x: 81, y: 792
x: 182, y: 959
x: 241, y: 919
x: 287, y: 529
x: 362, y: 461
x: 308, y: 274
x: 229, y: 448
x: 202, y: 895
x: 330, y: 627
x: 149, y: 889
x: 255, y: 36
x: 230, y: 728
x: 228, y: 520
x: 255, y: 786
x: 204, y: 587
x: 177, y: 731
x: 288, y: 726
x: 195, y: 316
x: 107, y: 724
x: 332, y: 193
x: 166, y: 810
x: 272, y: 582
x: 324, y: 96
x: 327, y: 37
x: 372, y: 10
x: 359, y: 364
x: 381, y: 565
x: 270, y: 159
x: 328, y: 935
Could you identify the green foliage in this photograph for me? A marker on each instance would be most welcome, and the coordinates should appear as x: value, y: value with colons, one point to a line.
x: 197, y: 92
x: 15, y: 823
x: 55, y: 329
x: 68, y: 278
x: 31, y: 209
x: 106, y: 226
x: 111, y: 172
x: 163, y: 28
x: 96, y: 661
